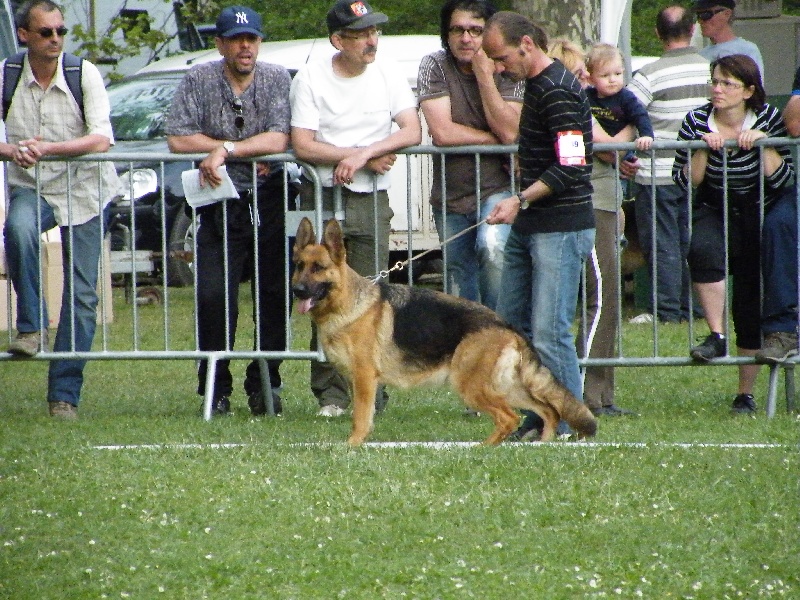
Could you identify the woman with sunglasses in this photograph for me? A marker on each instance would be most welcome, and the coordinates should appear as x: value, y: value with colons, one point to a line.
x: 730, y: 177
x: 716, y: 19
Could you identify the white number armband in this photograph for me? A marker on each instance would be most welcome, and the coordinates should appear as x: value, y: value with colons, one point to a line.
x: 570, y: 149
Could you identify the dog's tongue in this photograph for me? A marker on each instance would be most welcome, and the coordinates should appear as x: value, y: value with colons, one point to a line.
x: 303, y: 306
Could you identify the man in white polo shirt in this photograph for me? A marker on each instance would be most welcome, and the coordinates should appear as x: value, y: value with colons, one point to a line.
x: 343, y: 109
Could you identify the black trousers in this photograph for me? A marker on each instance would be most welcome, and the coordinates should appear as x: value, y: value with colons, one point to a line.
x: 707, y: 260
x: 268, y: 289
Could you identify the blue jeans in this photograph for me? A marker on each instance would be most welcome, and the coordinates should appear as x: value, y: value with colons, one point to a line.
x: 671, y: 251
x: 474, y: 260
x: 81, y: 246
x: 541, y: 280
x: 779, y: 264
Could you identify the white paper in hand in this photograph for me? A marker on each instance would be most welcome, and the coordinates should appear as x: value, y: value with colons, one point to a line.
x: 198, y: 196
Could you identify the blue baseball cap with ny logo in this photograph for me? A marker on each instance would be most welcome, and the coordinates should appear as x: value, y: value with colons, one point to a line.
x: 235, y: 20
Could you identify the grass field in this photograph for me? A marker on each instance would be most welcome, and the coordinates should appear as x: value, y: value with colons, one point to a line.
x: 143, y: 499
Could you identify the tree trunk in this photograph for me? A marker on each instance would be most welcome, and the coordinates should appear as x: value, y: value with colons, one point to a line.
x: 576, y: 20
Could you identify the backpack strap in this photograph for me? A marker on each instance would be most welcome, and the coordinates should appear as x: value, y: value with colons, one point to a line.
x: 12, y: 71
x: 73, y: 70
x: 72, y: 67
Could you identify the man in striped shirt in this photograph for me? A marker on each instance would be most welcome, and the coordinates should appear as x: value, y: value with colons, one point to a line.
x: 669, y: 88
x: 552, y: 218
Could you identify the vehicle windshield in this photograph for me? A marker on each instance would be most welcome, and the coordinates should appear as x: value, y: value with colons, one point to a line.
x: 139, y: 107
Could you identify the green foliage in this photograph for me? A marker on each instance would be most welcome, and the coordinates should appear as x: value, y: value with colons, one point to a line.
x: 643, y: 24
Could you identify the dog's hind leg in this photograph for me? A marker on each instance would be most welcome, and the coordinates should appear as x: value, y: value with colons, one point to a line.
x: 506, y: 420
x: 365, y: 385
x: 550, y: 418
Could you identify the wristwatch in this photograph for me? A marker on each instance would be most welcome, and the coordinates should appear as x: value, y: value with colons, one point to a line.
x: 229, y: 147
x: 523, y: 204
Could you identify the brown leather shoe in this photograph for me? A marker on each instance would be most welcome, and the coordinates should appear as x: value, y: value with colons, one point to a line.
x: 29, y: 343
x: 64, y: 411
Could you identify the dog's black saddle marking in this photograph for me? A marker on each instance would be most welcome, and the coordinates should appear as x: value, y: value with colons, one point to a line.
x: 428, y: 326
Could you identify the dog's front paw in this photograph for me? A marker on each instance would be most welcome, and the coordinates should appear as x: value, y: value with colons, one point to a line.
x: 356, y: 440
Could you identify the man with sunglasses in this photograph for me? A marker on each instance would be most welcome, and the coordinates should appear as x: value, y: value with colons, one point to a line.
x: 343, y: 109
x: 466, y: 103
x: 44, y: 119
x: 716, y: 23
x: 232, y: 109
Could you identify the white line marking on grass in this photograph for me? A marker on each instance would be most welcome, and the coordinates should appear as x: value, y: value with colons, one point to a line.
x: 169, y: 446
x: 450, y: 445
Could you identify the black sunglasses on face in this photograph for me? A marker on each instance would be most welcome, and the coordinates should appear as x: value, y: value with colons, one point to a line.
x: 48, y: 32
x: 236, y: 105
x: 705, y: 15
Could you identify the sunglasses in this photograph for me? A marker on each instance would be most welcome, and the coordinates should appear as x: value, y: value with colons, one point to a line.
x: 705, y: 15
x: 236, y: 105
x: 48, y: 32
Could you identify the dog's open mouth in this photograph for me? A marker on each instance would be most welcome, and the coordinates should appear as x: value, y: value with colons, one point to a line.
x: 307, y: 299
x: 303, y: 306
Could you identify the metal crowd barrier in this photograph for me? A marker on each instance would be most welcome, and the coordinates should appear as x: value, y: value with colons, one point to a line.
x: 136, y: 265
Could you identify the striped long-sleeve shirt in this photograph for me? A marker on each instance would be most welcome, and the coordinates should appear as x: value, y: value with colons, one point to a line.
x: 743, y: 166
x: 669, y: 87
x: 554, y: 103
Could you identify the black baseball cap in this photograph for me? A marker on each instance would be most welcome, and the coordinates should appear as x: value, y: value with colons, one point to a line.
x: 234, y: 20
x: 353, y: 14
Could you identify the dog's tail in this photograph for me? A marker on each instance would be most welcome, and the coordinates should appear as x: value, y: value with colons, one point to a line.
x: 546, y: 389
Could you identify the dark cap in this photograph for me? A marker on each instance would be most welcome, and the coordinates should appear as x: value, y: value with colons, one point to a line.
x: 353, y: 14
x: 707, y: 4
x: 234, y: 20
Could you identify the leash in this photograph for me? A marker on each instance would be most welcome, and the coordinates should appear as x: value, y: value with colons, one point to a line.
x: 400, y: 265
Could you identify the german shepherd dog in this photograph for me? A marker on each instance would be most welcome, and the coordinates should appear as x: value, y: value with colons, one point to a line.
x: 407, y: 336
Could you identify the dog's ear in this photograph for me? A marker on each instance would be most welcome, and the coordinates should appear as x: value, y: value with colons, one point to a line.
x: 305, y: 235
x: 333, y: 240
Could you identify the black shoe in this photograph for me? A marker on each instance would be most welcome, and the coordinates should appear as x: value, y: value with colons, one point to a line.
x: 612, y: 410
x: 221, y: 406
x: 744, y: 404
x: 530, y: 430
x: 713, y: 346
x: 258, y: 405
x: 525, y: 435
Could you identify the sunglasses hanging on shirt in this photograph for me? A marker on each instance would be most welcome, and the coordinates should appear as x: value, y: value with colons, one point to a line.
x: 237, y: 107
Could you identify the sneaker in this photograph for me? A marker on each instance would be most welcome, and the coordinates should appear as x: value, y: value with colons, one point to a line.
x: 744, y: 404
x: 258, y: 405
x: 331, y: 410
x: 221, y: 406
x: 778, y: 346
x: 642, y: 319
x: 29, y: 343
x: 63, y: 410
x: 471, y: 412
x: 612, y: 410
x: 713, y: 346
